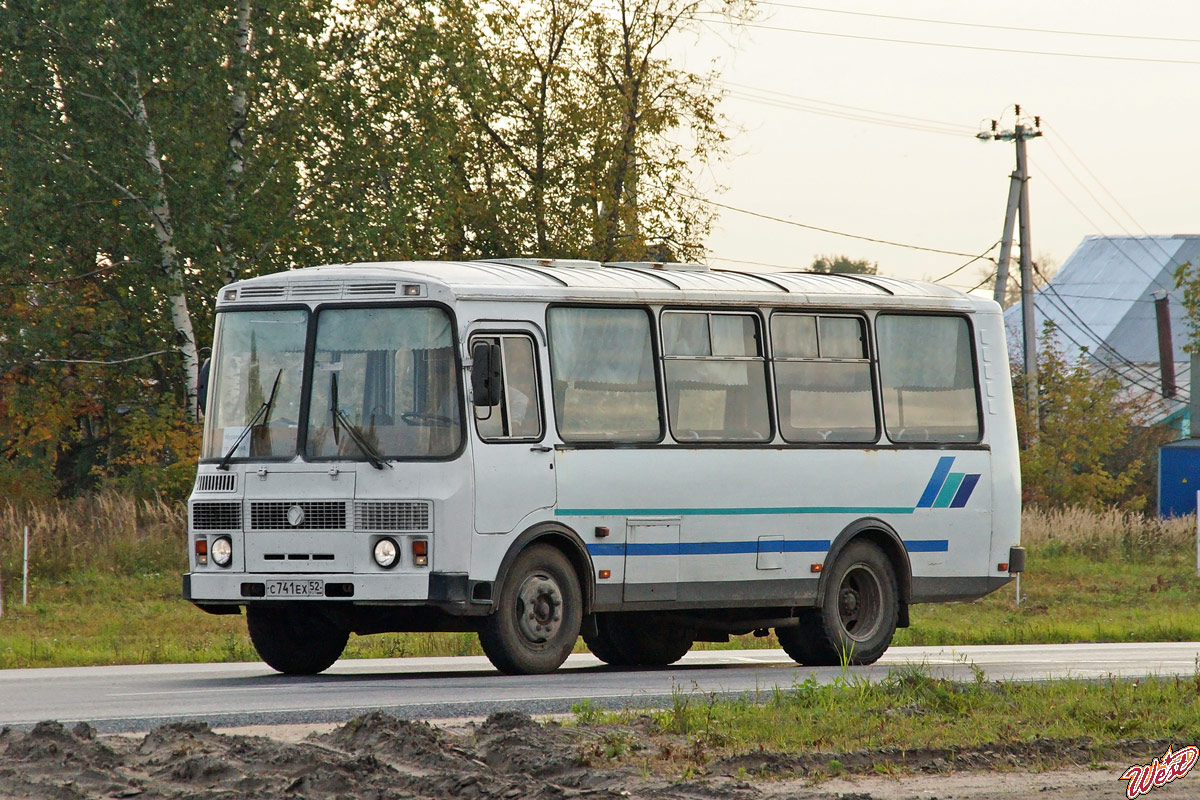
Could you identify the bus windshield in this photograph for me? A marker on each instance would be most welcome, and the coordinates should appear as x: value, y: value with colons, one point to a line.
x: 383, y: 378
x: 257, y: 356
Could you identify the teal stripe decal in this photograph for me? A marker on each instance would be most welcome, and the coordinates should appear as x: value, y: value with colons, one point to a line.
x: 948, y: 489
x: 719, y: 512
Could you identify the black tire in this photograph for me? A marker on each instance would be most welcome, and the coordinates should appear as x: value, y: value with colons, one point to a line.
x: 538, y: 616
x: 858, y: 615
x: 648, y: 640
x: 601, y: 642
x: 294, y: 639
x: 796, y: 640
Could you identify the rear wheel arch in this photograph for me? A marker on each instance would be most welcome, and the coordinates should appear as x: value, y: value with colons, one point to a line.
x: 883, y: 536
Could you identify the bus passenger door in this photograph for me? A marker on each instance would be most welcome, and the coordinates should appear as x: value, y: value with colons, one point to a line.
x: 513, y: 466
x: 651, y: 560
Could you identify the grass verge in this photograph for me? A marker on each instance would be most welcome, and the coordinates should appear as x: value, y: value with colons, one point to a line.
x: 910, y: 720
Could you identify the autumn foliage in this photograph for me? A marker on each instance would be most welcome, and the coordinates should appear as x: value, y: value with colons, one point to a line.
x: 1089, y: 450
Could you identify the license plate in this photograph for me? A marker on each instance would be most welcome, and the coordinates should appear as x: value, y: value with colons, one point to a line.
x: 295, y: 588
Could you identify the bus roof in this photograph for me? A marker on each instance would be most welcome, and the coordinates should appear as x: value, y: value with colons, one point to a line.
x: 561, y: 280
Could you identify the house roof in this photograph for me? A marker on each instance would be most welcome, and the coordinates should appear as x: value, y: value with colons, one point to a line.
x: 1102, y: 299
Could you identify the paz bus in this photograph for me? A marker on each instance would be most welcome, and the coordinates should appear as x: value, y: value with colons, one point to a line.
x: 647, y: 455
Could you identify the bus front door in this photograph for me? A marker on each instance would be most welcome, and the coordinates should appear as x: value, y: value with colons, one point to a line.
x: 514, y: 468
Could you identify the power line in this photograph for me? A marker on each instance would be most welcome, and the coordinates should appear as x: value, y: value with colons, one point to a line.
x: 1138, y: 240
x: 1113, y: 369
x: 769, y: 101
x: 979, y: 285
x: 1109, y: 239
x: 844, y: 111
x: 1079, y: 296
x: 71, y: 279
x: 950, y: 46
x: 969, y: 263
x: 1170, y: 258
x: 928, y: 21
x: 102, y: 363
x: 1064, y: 307
x: 903, y: 117
x: 829, y: 230
x: 754, y: 263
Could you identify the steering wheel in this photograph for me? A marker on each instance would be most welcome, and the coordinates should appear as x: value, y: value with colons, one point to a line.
x: 421, y: 418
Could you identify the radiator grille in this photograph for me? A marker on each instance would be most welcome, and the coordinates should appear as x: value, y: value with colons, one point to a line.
x: 216, y: 516
x: 221, y: 482
x: 318, y: 516
x: 410, y: 515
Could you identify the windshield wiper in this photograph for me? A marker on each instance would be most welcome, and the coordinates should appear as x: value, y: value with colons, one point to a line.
x: 261, y: 414
x: 373, y: 456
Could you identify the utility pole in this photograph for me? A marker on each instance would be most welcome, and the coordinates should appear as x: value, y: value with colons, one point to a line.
x: 1018, y: 207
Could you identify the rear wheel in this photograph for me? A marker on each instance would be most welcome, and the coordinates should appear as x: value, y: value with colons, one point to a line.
x: 537, y: 619
x: 295, y: 639
x: 648, y: 640
x: 858, y: 615
x: 602, y: 644
x: 797, y: 640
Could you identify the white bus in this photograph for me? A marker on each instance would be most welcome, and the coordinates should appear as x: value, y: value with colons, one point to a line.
x: 648, y: 455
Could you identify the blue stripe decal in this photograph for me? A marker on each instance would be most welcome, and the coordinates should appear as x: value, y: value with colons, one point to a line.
x: 964, y: 491
x: 721, y: 512
x: 927, y: 545
x: 707, y: 548
x: 935, y: 482
x: 606, y: 549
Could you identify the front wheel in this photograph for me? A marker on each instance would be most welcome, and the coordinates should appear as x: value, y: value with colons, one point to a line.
x: 859, y: 610
x: 537, y: 620
x: 295, y: 639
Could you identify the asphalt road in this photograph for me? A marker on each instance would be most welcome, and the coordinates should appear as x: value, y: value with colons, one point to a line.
x: 137, y: 698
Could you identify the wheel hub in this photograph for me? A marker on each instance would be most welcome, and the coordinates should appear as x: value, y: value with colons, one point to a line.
x: 539, y: 608
x: 860, y: 602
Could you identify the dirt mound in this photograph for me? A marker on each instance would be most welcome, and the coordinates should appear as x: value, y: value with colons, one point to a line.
x: 508, y: 757
x: 417, y: 745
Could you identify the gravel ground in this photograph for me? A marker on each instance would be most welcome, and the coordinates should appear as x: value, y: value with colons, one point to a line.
x: 509, y: 756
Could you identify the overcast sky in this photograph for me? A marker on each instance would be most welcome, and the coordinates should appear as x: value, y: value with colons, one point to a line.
x: 916, y: 174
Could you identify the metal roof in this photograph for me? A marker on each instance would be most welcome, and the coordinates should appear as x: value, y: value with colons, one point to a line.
x: 588, y: 280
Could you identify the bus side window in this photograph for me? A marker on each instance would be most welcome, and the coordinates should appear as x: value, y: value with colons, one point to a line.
x: 929, y: 389
x: 823, y: 386
x: 603, y: 374
x: 518, y: 417
x: 716, y: 377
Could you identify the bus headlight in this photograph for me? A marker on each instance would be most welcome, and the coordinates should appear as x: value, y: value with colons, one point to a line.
x: 387, y: 553
x: 221, y: 551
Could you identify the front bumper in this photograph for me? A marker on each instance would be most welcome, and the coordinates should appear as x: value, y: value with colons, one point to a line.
x: 239, y: 588
x: 452, y: 592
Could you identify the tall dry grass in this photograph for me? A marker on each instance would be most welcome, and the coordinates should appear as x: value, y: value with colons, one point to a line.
x: 107, y: 531
x: 1105, y: 534
x: 119, y: 533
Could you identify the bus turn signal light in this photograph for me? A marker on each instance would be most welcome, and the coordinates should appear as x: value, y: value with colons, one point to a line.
x: 816, y: 567
x: 420, y: 551
x: 202, y: 551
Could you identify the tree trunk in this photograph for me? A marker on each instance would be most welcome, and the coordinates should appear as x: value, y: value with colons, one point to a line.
x: 160, y: 220
x: 236, y: 167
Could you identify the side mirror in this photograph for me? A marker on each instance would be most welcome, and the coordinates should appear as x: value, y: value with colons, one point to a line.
x: 485, y: 374
x: 202, y: 386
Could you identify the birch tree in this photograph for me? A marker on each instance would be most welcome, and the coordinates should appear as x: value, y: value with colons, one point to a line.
x: 656, y: 124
